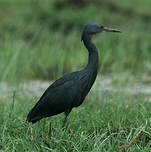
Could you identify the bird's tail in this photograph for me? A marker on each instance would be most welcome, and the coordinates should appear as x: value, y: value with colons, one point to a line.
x: 32, y: 118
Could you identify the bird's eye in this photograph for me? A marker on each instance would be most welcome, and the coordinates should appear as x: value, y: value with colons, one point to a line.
x: 102, y: 27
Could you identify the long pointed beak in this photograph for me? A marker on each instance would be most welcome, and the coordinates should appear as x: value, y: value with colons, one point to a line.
x: 110, y: 30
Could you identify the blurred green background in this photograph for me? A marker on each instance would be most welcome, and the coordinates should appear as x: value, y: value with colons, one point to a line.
x: 41, y: 39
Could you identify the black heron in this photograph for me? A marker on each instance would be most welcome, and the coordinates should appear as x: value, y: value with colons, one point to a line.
x: 70, y: 90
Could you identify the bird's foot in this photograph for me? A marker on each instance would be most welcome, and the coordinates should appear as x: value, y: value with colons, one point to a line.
x: 44, y: 141
x: 63, y: 128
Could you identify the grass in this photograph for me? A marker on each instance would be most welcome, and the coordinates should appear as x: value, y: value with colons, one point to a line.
x: 40, y: 40
x: 103, y: 123
x: 48, y: 59
x: 45, y: 43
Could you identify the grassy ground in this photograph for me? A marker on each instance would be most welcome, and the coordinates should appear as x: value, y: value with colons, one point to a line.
x: 41, y: 40
x: 105, y: 122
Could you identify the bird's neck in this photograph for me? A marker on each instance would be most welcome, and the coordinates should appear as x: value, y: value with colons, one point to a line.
x: 93, y: 54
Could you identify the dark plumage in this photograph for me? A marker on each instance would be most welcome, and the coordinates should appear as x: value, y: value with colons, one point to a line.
x: 70, y: 90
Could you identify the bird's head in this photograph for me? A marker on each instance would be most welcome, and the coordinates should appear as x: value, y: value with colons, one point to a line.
x: 94, y: 28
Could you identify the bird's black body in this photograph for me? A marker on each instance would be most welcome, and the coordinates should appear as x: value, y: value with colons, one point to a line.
x: 69, y: 91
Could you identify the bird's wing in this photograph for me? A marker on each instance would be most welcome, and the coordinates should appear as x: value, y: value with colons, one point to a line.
x: 55, y: 100
x: 68, y: 77
x: 63, y: 81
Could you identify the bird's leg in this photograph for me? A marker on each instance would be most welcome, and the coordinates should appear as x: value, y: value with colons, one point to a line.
x: 64, y: 122
x: 49, y: 133
x: 66, y: 117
